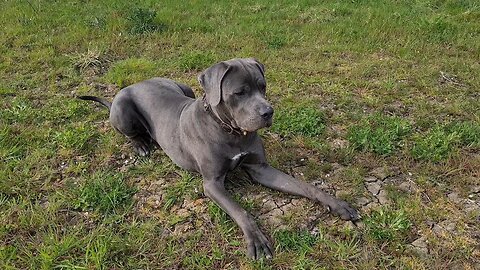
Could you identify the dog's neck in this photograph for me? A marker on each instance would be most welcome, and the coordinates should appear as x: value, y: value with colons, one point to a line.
x: 226, y: 125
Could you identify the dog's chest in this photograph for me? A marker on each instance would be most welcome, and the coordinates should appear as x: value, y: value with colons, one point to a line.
x: 237, y: 159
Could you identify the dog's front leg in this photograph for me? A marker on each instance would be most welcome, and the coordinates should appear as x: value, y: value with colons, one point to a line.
x: 270, y: 177
x: 257, y: 243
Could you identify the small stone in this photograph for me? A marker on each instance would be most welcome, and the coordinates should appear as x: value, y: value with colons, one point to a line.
x: 296, y: 202
x: 396, y: 179
x: 274, y: 217
x: 420, y: 242
x: 370, y: 179
x: 444, y: 227
x: 380, y: 173
x: 370, y: 206
x: 359, y: 224
x: 453, y: 196
x: 339, y: 144
x: 420, y: 246
x: 180, y: 229
x: 182, y: 212
x: 406, y: 186
x: 382, y: 197
x: 374, y: 188
x: 471, y: 206
x: 363, y: 201
x: 154, y: 201
x: 349, y: 226
x: 268, y: 205
x: 341, y: 193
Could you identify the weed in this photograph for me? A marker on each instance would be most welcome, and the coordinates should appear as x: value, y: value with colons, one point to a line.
x: 379, y: 134
x: 178, y: 190
x: 276, y: 42
x: 20, y: 110
x: 303, y: 262
x: 387, y: 225
x: 143, y: 21
x: 130, y: 71
x: 298, y: 120
x: 93, y: 59
x: 74, y: 137
x: 437, y: 143
x: 346, y: 250
x: 221, y: 219
x: 196, y: 61
x: 97, y: 251
x: 105, y: 192
x: 300, y: 241
x: 10, y: 149
x: 468, y: 132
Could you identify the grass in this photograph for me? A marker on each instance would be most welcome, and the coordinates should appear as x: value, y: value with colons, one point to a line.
x: 440, y: 141
x: 386, y: 225
x: 294, y: 241
x: 143, y: 21
x: 130, y: 71
x: 298, y: 120
x: 379, y: 134
x: 104, y: 193
x: 356, y: 85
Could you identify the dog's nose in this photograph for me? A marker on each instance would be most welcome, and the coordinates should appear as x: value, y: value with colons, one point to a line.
x: 266, y: 112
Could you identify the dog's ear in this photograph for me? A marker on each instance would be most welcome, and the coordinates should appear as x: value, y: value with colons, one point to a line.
x: 211, y: 81
x: 260, y: 66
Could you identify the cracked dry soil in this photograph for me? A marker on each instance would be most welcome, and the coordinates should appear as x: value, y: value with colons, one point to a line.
x: 276, y: 210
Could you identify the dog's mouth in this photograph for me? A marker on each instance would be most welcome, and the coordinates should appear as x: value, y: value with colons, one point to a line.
x: 266, y: 124
x: 269, y: 122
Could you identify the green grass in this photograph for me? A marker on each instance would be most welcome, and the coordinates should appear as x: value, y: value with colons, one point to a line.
x: 103, y: 192
x: 394, y: 83
x: 144, y: 21
x: 440, y: 141
x: 379, y: 134
x: 180, y: 189
x: 196, y: 61
x: 296, y: 241
x: 130, y: 71
x: 386, y: 225
x: 298, y: 120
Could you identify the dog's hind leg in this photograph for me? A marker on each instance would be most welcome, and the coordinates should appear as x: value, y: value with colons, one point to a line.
x: 187, y: 91
x: 125, y: 119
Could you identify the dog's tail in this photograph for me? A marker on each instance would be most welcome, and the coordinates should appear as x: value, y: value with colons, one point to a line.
x: 102, y: 101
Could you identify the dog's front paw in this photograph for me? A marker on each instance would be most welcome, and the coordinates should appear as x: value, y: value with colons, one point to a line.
x: 258, y: 245
x: 344, y: 210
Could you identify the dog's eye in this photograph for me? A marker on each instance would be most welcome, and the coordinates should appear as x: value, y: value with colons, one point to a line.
x: 262, y: 87
x: 241, y: 91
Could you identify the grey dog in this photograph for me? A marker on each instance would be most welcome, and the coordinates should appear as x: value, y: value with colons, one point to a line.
x: 213, y: 135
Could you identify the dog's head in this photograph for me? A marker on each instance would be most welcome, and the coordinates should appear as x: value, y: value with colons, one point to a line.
x: 235, y: 89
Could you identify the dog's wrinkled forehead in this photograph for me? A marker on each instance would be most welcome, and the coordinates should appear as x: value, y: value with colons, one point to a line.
x: 237, y: 70
x: 243, y: 72
x: 249, y: 65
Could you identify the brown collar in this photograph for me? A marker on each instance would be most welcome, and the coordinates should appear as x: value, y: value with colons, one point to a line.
x: 225, y: 126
